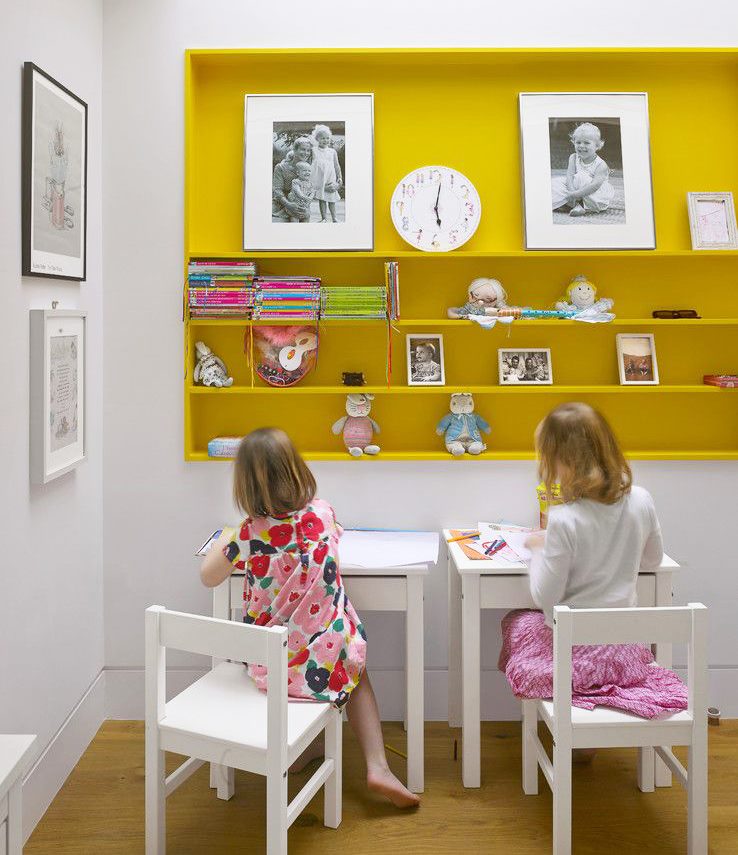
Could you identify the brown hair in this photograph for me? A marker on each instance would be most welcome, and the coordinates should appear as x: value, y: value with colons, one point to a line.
x: 576, y: 447
x: 270, y: 478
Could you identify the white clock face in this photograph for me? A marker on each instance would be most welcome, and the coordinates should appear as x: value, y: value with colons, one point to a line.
x: 435, y: 208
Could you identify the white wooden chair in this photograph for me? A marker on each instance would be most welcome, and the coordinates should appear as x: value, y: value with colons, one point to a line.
x: 604, y: 727
x: 223, y: 718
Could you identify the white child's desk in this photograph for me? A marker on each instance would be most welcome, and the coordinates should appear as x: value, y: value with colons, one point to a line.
x: 15, y: 750
x: 394, y: 589
x: 497, y: 584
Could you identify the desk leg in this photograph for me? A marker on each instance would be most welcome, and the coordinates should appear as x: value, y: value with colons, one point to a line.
x: 414, y: 678
x: 470, y: 669
x: 664, y: 594
x: 15, y: 820
x: 454, y: 643
x: 222, y: 778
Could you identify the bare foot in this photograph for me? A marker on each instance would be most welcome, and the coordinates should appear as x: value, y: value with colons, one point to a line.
x: 386, y: 784
x: 583, y: 755
x: 577, y: 211
x: 314, y: 751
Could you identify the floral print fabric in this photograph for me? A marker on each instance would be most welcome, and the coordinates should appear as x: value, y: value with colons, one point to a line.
x: 292, y: 580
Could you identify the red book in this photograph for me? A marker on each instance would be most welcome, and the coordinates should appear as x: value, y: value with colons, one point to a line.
x: 724, y: 381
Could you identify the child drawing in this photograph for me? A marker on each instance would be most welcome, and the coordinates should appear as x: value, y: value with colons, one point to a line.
x: 586, y: 188
x: 326, y: 176
x: 301, y: 193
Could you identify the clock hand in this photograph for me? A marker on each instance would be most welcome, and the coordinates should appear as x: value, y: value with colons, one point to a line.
x: 435, y: 208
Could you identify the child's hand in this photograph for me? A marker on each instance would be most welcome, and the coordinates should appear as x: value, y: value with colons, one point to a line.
x: 535, y: 541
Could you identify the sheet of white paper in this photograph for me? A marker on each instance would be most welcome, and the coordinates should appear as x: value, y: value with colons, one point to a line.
x: 514, y: 537
x: 388, y: 548
x: 516, y: 541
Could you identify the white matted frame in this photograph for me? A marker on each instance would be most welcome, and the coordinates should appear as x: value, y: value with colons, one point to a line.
x: 355, y: 114
x: 415, y: 374
x: 634, y: 228
x: 522, y: 352
x: 634, y: 351
x: 712, y: 221
x: 57, y: 394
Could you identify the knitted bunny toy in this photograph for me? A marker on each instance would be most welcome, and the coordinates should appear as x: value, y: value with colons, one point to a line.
x: 210, y: 370
x: 462, y: 426
x: 357, y: 427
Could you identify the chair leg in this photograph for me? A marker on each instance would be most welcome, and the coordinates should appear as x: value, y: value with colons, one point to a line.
x: 333, y: 791
x: 156, y: 829
x: 646, y: 758
x: 561, y: 800
x: 223, y: 780
x: 530, y: 758
x: 697, y: 798
x: 276, y: 831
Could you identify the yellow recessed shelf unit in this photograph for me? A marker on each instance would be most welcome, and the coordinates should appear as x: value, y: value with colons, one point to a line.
x: 459, y: 107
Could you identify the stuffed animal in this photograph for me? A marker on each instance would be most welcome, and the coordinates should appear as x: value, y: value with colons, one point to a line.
x: 581, y: 295
x: 484, y: 297
x: 210, y: 370
x: 461, y: 427
x: 357, y: 427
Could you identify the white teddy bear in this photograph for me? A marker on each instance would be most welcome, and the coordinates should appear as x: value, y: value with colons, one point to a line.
x: 210, y: 370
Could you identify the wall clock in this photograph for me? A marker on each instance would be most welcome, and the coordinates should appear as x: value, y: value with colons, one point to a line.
x: 435, y: 208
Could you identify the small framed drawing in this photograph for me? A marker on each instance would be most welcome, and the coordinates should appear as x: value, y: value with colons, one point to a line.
x: 57, y: 377
x: 425, y: 360
x: 637, y: 359
x: 525, y: 366
x: 712, y: 221
x: 308, y: 172
x: 54, y: 165
x: 586, y: 171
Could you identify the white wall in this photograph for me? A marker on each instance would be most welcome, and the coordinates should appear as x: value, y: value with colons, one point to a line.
x: 157, y: 508
x: 51, y: 636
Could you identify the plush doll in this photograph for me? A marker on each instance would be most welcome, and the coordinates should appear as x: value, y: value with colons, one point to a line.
x: 462, y: 426
x: 210, y: 370
x: 357, y: 427
x: 484, y: 297
x: 581, y: 295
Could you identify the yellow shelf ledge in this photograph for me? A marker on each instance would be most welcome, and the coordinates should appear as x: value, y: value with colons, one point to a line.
x: 470, y: 254
x: 449, y: 322
x: 553, y: 389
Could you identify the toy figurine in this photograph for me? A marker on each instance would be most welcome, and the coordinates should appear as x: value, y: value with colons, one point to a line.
x: 484, y: 297
x: 357, y: 427
x: 581, y: 296
x: 461, y: 427
x: 210, y: 370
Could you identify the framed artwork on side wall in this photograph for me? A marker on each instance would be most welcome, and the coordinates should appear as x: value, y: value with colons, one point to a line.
x: 54, y: 164
x: 308, y: 172
x: 57, y: 400
x: 586, y: 171
x: 712, y: 221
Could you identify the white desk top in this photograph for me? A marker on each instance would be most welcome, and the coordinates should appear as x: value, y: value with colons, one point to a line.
x: 349, y: 570
x: 499, y: 567
x: 14, y: 751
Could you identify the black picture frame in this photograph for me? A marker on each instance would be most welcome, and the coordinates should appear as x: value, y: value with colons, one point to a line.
x: 64, y: 206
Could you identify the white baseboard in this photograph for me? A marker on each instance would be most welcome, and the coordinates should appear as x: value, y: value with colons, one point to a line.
x: 50, y: 771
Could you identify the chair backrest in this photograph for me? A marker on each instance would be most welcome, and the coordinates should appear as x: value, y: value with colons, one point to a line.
x: 684, y: 624
x: 222, y: 639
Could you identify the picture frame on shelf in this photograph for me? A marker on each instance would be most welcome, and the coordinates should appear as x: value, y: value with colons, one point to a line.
x: 524, y: 366
x: 57, y: 392
x: 712, y: 222
x: 425, y: 366
x: 54, y: 178
x: 308, y: 172
x: 637, y: 364
x: 571, y: 141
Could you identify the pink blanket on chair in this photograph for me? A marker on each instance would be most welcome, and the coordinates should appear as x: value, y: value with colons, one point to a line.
x: 610, y: 675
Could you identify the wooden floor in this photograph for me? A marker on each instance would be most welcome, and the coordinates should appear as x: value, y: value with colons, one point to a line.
x: 100, y: 808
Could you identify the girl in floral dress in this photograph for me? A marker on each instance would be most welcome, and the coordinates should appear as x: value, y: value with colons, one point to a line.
x: 288, y: 547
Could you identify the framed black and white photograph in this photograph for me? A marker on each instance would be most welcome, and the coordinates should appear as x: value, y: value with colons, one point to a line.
x: 308, y: 172
x: 425, y: 360
x: 586, y: 171
x: 712, y: 221
x: 57, y: 398
x: 524, y: 366
x: 637, y: 364
x: 54, y: 165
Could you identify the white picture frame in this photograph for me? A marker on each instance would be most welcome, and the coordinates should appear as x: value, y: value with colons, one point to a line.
x: 57, y: 392
x: 332, y: 207
x: 637, y: 364
x: 619, y: 213
x: 425, y: 365
x: 513, y: 368
x: 712, y: 222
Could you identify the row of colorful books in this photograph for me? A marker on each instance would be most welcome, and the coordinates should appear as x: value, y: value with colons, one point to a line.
x: 221, y: 288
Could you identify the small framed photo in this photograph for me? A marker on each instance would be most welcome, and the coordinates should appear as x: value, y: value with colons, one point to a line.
x: 57, y: 400
x: 425, y: 360
x: 637, y: 359
x: 54, y: 166
x: 308, y: 172
x: 586, y: 170
x: 525, y: 366
x: 712, y: 221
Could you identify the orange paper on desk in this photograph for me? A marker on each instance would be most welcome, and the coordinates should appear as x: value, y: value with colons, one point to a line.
x: 465, y: 548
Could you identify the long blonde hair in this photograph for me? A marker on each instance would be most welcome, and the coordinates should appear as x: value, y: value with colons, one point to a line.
x: 270, y: 478
x: 578, y: 449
